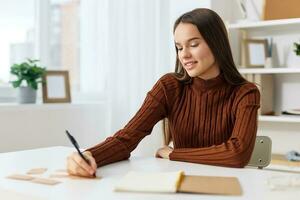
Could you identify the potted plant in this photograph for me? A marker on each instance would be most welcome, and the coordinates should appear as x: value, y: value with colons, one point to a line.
x: 31, y: 73
x: 293, y: 59
x: 297, y: 48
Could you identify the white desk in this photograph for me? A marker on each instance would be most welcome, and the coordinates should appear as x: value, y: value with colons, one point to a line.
x: 253, y: 181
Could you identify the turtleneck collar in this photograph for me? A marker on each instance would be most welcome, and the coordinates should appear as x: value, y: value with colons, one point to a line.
x: 209, y: 84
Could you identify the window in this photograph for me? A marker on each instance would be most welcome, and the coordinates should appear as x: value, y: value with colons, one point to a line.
x: 47, y: 30
x: 17, y: 30
x: 64, y: 38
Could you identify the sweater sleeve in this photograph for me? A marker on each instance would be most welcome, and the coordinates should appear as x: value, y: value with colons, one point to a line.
x: 153, y: 109
x: 237, y: 150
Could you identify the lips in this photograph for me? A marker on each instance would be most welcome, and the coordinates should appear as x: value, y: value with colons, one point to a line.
x: 189, y: 65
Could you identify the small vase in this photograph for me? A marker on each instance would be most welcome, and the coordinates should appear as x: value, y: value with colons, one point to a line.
x: 268, y: 62
x: 26, y: 95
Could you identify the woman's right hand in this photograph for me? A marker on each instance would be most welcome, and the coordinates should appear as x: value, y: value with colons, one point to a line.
x: 78, y: 167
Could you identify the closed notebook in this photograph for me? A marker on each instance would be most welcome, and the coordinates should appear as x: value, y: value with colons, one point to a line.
x: 149, y: 182
x: 172, y: 182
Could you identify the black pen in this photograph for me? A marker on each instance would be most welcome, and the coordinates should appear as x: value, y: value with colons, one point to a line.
x: 75, y: 144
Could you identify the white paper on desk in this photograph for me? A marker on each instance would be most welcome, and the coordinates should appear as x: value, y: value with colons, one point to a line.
x: 150, y: 182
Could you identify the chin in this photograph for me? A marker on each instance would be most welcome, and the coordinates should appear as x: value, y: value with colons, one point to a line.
x: 194, y: 74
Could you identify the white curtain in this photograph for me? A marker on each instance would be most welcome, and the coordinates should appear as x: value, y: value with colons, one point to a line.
x: 139, y: 55
x: 125, y: 50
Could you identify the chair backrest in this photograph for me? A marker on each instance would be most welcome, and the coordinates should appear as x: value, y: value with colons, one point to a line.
x: 261, y: 155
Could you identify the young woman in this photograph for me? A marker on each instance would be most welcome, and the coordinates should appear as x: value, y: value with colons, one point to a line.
x: 211, y: 109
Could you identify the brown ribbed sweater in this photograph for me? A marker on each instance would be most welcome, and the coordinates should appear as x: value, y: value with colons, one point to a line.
x: 211, y: 122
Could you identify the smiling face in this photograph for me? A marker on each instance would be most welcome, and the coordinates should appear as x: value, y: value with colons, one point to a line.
x: 194, y: 53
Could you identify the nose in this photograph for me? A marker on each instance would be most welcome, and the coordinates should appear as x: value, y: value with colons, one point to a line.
x: 185, y: 53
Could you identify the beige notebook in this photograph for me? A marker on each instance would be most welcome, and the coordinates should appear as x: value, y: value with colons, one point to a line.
x: 165, y: 182
x: 172, y: 182
x: 210, y: 185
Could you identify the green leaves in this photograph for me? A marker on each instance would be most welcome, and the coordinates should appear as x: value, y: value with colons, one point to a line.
x: 27, y: 71
x: 297, y: 48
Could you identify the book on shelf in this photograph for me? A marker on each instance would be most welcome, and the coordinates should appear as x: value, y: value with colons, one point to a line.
x: 291, y: 112
x: 280, y: 159
x: 177, y: 182
x: 278, y: 9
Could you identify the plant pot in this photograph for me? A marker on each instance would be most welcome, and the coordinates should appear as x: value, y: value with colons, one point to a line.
x: 293, y: 61
x: 26, y: 95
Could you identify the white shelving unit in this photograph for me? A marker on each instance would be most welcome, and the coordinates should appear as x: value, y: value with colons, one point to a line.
x: 281, y: 73
x: 263, y: 25
x: 280, y: 70
x: 284, y: 130
x: 281, y: 118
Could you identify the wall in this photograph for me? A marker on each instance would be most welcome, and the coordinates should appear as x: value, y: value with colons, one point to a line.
x: 34, y: 126
x: 285, y: 136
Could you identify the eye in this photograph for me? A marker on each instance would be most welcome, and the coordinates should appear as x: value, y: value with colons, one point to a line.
x: 194, y: 44
x: 179, y: 48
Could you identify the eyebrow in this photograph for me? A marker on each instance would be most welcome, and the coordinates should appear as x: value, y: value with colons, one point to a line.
x: 194, y: 38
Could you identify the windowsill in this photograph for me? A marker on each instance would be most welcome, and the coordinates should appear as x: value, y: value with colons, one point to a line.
x: 48, y: 106
x: 8, y: 100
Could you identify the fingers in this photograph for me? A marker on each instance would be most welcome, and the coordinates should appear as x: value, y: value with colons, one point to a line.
x: 93, y: 163
x: 158, y: 153
x: 82, y: 163
x: 75, y: 169
x: 164, y: 152
x: 170, y: 148
x: 91, y: 160
x: 77, y: 166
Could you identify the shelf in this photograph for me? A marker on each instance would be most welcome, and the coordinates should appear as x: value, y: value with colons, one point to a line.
x: 269, y: 70
x: 281, y: 118
x: 263, y: 29
x: 265, y: 24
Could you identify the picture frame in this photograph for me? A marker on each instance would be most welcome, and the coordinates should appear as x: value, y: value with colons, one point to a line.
x: 56, y: 87
x: 255, y: 52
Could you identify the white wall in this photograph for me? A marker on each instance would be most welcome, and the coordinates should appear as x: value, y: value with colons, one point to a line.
x: 33, y: 126
x: 285, y: 136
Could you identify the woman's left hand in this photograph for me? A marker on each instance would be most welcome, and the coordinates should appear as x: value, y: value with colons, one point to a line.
x: 164, y: 152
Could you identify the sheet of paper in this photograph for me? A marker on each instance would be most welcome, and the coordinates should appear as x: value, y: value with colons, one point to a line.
x: 38, y: 175
x: 37, y: 171
x: 150, y: 182
x: 45, y: 181
x: 21, y: 177
x: 58, y: 174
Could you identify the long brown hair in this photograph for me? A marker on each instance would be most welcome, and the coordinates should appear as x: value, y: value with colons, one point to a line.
x: 214, y: 32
